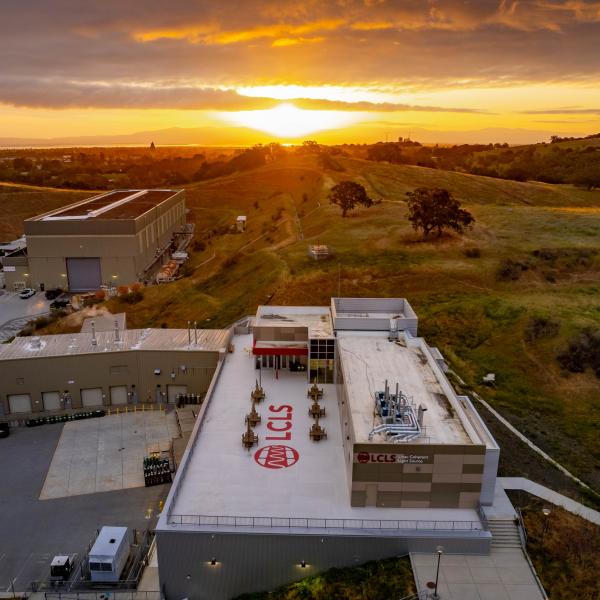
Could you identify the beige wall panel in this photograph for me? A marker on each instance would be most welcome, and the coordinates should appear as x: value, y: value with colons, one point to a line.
x: 447, y: 478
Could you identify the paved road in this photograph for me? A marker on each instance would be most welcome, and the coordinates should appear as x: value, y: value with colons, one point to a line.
x: 15, y: 312
x: 32, y: 531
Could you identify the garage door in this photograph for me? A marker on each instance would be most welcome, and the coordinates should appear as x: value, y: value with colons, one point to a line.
x: 91, y: 397
x: 118, y: 394
x: 51, y: 400
x: 84, y: 274
x: 174, y: 390
x: 19, y: 403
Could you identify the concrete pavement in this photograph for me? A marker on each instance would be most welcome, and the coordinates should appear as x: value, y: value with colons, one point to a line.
x: 522, y: 483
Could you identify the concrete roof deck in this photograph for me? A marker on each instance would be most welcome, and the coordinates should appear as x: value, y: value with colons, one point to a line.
x: 209, y: 340
x: 221, y: 478
x: 368, y: 359
x: 117, y: 204
x: 316, y: 318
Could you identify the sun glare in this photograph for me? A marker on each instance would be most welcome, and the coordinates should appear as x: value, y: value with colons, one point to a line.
x: 288, y: 121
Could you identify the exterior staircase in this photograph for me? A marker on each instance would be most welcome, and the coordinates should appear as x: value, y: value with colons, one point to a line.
x: 505, y: 533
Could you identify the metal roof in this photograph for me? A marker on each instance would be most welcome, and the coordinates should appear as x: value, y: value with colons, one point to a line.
x: 205, y: 340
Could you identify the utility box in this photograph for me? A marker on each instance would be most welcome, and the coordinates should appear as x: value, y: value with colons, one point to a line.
x: 109, y: 554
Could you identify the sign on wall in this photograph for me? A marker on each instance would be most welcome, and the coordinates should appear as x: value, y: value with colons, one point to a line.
x: 390, y: 458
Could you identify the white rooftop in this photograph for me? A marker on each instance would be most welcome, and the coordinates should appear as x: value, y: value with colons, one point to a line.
x: 224, y: 479
x: 369, y: 359
x: 316, y: 318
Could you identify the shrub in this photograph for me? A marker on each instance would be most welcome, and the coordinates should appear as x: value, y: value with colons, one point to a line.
x: 583, y: 352
x: 100, y: 295
x: 473, y: 252
x: 541, y: 327
x: 122, y: 290
x: 510, y: 270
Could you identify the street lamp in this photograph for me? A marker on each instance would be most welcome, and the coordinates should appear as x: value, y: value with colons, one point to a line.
x: 546, y: 512
x: 440, y: 551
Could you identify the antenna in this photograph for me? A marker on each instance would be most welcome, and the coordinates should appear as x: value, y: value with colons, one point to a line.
x: 339, y: 280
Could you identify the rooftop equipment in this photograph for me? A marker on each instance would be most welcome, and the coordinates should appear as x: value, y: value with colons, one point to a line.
x: 253, y: 417
x: 315, y: 392
x: 258, y: 394
x: 401, y: 420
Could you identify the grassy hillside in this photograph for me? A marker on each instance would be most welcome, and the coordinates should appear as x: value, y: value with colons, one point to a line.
x: 20, y: 202
x: 479, y: 322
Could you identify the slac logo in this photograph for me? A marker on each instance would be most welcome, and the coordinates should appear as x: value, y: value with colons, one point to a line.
x: 276, y: 456
x: 363, y: 457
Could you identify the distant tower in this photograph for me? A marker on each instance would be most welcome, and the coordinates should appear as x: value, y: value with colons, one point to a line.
x: 152, y: 147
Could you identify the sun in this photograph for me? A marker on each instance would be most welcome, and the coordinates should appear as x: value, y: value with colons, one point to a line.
x: 288, y: 121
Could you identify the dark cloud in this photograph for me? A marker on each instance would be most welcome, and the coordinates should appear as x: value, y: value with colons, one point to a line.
x: 180, y: 46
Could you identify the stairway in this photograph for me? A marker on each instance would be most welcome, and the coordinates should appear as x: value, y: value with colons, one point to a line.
x: 505, y: 533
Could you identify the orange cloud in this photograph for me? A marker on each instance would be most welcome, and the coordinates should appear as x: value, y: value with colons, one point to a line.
x: 281, y: 42
x: 209, y: 34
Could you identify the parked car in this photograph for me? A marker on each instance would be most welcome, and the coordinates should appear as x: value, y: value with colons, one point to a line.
x: 53, y: 294
x: 60, y: 304
x: 4, y: 429
x: 26, y: 293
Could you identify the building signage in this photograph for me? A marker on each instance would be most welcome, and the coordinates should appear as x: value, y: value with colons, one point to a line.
x: 10, y: 269
x: 279, y: 426
x: 388, y: 458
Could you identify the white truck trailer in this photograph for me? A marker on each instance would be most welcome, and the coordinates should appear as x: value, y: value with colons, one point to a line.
x: 109, y: 554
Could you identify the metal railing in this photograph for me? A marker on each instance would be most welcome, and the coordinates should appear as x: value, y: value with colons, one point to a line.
x: 104, y: 595
x: 316, y: 523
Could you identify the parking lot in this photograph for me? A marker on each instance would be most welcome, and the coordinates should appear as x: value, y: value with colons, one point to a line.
x: 32, y: 531
x: 16, y: 312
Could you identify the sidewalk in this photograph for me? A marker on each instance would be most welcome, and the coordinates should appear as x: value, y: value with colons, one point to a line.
x: 521, y: 483
x: 502, y: 575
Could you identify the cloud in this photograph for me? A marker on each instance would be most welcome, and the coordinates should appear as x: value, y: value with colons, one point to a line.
x: 59, y: 94
x: 210, y: 44
x: 563, y: 111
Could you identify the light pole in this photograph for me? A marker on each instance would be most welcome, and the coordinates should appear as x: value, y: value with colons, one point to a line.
x: 546, y: 512
x: 440, y: 551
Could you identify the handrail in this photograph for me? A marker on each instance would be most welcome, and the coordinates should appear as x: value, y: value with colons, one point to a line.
x: 324, y: 523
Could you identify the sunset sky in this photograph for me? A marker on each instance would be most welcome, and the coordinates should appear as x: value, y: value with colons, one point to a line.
x: 344, y: 70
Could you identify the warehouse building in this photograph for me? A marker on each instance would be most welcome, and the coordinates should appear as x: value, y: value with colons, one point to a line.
x: 112, y: 239
x: 402, y: 463
x: 94, y: 369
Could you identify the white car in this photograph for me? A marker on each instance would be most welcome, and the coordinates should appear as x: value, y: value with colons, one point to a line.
x: 26, y: 293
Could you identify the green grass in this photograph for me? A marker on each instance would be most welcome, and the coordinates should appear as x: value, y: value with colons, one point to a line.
x: 477, y: 321
x: 18, y: 203
x: 387, y: 579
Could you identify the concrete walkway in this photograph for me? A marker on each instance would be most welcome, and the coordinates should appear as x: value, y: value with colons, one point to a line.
x: 521, y: 483
x: 504, y: 574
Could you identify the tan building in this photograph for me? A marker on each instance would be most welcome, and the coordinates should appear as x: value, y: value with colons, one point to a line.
x: 94, y: 369
x: 111, y: 239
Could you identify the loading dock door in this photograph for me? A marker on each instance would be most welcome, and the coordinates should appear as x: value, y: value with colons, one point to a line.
x: 84, y: 274
x: 118, y: 394
x: 174, y: 390
x: 51, y: 400
x: 91, y: 397
x: 19, y: 403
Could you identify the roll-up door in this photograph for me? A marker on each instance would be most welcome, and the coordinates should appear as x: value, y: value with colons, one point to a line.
x: 118, y: 394
x: 91, y: 397
x: 51, y: 400
x: 84, y: 274
x: 19, y: 403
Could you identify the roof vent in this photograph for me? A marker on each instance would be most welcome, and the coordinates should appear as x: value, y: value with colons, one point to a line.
x: 112, y: 541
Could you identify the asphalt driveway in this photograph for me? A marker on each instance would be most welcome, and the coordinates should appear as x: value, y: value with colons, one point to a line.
x: 32, y: 531
x: 16, y: 312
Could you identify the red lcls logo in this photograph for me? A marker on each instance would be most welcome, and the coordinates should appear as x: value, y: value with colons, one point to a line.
x: 363, y: 457
x: 276, y: 456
